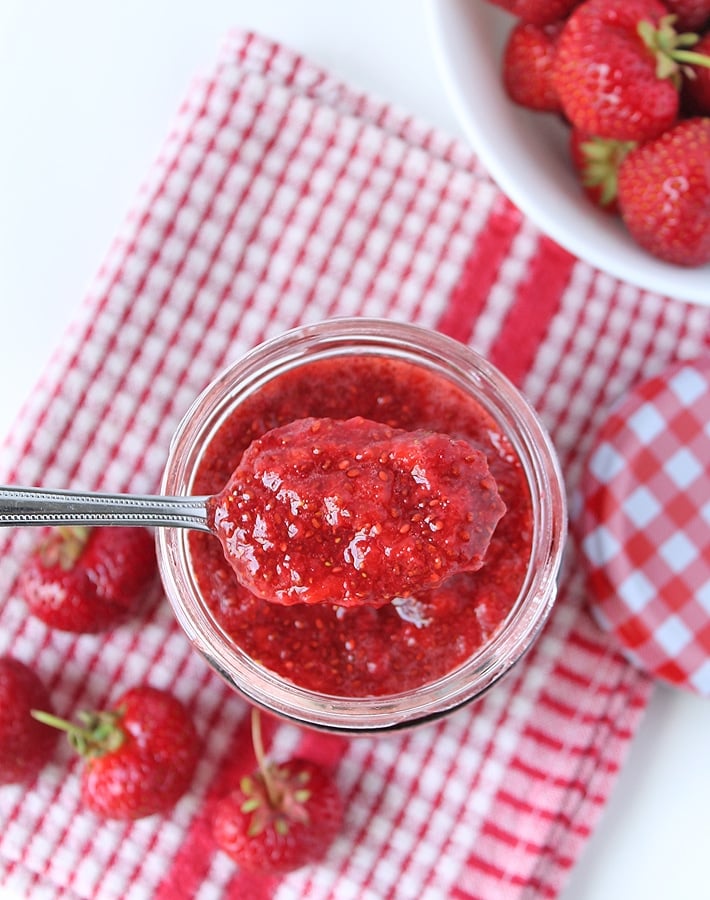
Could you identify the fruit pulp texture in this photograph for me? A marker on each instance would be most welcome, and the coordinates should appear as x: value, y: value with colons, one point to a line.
x: 367, y: 650
x: 354, y: 512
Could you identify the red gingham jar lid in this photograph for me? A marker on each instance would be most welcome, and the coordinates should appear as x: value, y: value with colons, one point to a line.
x: 645, y: 525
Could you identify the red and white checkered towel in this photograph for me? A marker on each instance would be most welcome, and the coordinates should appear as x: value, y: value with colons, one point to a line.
x: 282, y: 196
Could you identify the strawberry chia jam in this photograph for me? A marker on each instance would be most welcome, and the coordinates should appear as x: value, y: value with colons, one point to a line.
x: 352, y: 512
x: 368, y: 650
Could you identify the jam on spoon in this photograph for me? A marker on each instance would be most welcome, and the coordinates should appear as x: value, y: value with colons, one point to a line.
x: 352, y: 512
x: 346, y: 512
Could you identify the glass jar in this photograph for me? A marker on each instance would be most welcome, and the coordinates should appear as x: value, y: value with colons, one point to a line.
x: 468, y: 371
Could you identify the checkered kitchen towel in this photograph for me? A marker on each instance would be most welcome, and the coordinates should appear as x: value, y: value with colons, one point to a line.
x: 283, y: 196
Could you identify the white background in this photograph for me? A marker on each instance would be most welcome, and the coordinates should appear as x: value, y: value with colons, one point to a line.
x: 87, y: 92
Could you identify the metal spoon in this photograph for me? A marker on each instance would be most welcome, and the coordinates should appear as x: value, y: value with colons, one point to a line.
x: 38, y: 506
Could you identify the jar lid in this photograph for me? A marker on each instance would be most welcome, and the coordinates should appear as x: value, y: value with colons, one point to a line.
x: 645, y: 525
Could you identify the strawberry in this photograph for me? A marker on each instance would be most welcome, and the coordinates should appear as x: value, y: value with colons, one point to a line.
x: 281, y: 817
x: 697, y: 88
x: 664, y: 193
x: 528, y: 66
x: 89, y: 579
x: 618, y: 68
x: 140, y: 755
x: 25, y: 744
x: 597, y: 161
x: 537, y: 12
x: 692, y: 15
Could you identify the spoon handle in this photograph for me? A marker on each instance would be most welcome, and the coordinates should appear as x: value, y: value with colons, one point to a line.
x: 37, y: 506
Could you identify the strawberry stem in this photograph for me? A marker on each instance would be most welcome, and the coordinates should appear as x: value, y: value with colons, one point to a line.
x: 257, y: 740
x: 64, y: 546
x: 692, y: 58
x: 602, y: 158
x: 277, y: 795
x: 98, y: 734
x: 664, y: 42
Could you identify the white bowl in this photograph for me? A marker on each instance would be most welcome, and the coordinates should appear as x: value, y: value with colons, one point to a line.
x: 526, y: 154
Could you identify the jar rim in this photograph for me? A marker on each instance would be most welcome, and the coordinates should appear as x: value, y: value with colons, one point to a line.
x: 420, y: 346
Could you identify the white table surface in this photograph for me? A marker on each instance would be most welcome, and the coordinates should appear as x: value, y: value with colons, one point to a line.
x: 87, y: 91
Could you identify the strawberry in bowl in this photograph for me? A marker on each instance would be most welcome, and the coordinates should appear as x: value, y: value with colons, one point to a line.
x: 623, y: 73
x: 616, y: 73
x: 664, y: 193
